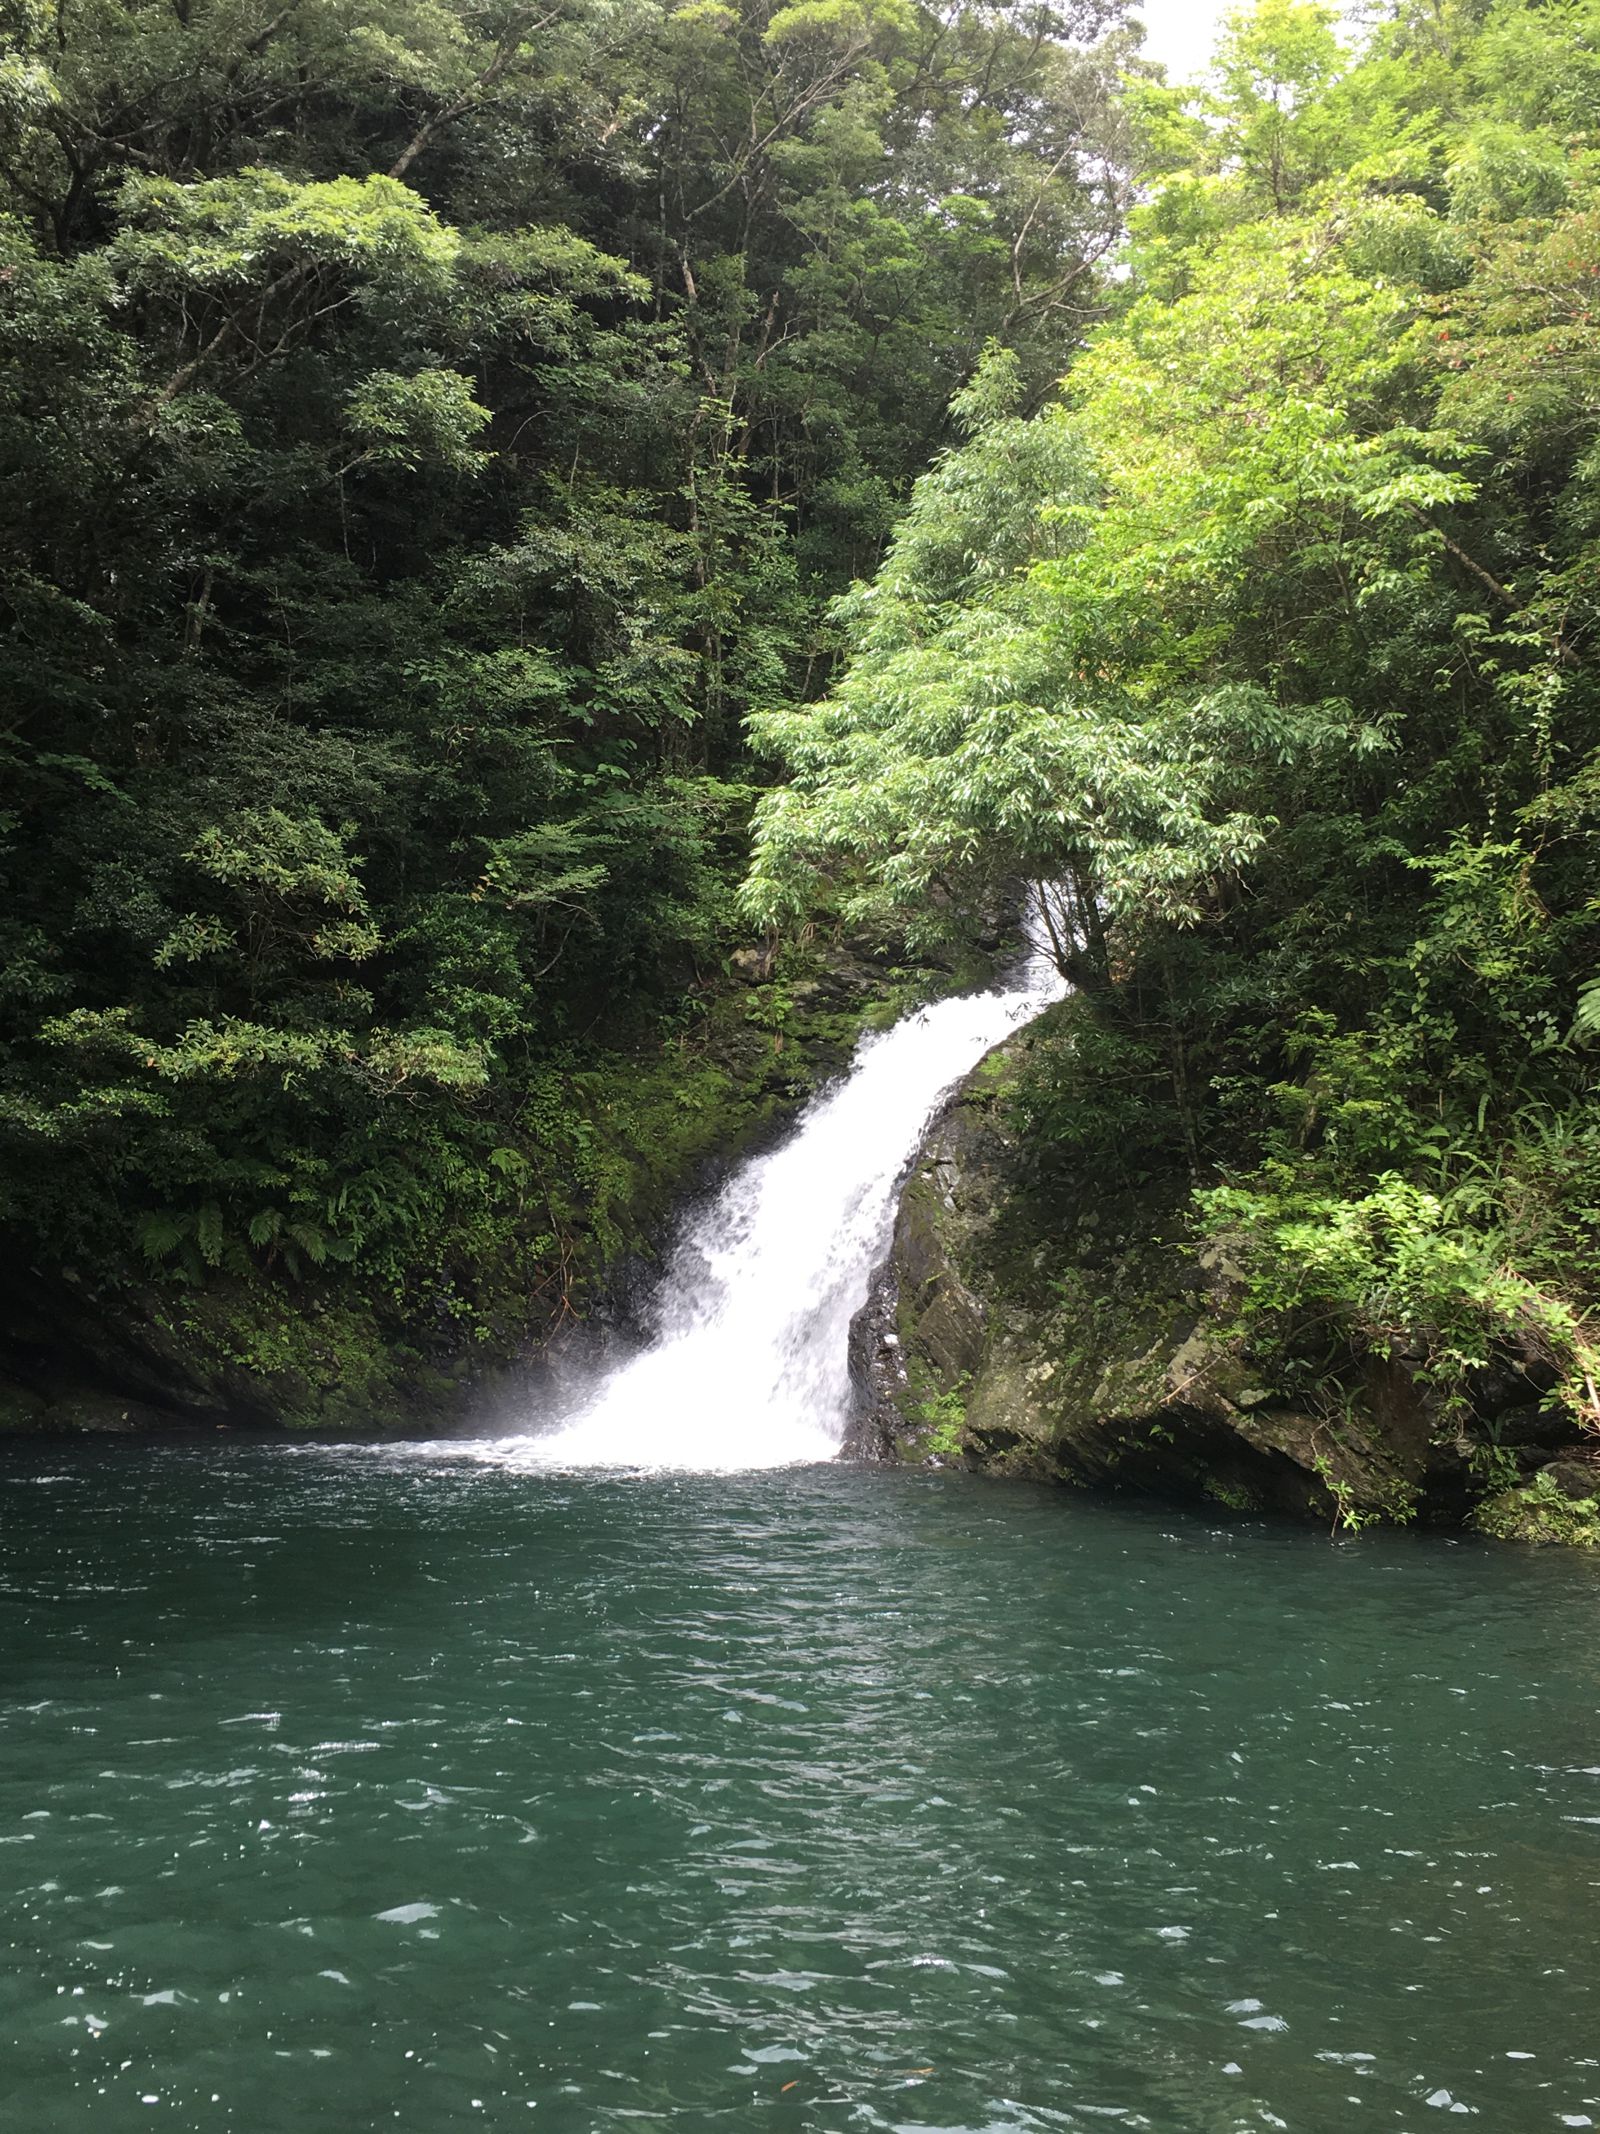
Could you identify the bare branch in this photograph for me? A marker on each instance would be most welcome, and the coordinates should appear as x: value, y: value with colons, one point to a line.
x: 229, y: 330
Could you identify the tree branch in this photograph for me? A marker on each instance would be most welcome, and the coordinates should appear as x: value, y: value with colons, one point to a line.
x: 505, y: 51
x: 185, y: 375
x: 1564, y: 653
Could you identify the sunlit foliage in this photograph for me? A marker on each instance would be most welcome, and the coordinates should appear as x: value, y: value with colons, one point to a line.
x: 1274, y: 640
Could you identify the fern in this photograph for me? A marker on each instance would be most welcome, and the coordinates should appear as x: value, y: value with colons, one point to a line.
x: 160, y: 1236
x: 208, y: 1233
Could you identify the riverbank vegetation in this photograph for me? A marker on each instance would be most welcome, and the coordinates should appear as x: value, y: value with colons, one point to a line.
x: 1273, y: 642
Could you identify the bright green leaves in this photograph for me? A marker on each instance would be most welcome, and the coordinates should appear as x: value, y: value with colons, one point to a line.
x: 1385, y: 1264
x: 435, y: 1059
x: 970, y: 762
x: 291, y: 889
x: 1018, y: 493
x: 843, y: 26
x: 1517, y: 347
x: 1242, y: 430
x: 428, y: 419
x: 263, y: 852
x: 549, y: 864
x: 1276, y: 61
x: 27, y: 91
x: 1534, y: 69
x: 1273, y: 647
x: 238, y: 233
x: 1022, y: 696
x: 249, y: 267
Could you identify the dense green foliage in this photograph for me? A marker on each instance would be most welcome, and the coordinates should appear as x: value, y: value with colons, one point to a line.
x: 444, y: 452
x: 1272, y: 647
x: 427, y: 429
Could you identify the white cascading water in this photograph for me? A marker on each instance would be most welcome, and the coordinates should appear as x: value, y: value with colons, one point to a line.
x: 750, y: 1362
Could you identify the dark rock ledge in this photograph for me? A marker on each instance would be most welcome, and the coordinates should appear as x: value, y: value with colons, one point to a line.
x: 1100, y: 1348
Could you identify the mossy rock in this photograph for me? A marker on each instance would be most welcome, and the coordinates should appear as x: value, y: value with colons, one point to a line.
x: 1545, y: 1512
x: 1093, y: 1340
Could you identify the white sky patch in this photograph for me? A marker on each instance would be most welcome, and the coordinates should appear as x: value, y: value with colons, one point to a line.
x: 1181, y: 33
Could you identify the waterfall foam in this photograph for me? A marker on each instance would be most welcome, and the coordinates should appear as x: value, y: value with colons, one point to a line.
x: 749, y: 1363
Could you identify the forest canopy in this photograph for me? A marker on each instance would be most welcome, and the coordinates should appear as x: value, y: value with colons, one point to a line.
x: 426, y: 432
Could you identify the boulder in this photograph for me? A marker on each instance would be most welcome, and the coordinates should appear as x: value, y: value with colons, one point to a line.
x: 1098, y: 1344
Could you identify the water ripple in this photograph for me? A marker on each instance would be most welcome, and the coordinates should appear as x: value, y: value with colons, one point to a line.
x: 443, y: 1797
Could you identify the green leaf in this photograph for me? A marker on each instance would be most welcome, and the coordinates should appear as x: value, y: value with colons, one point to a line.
x: 208, y: 1232
x: 161, y: 1235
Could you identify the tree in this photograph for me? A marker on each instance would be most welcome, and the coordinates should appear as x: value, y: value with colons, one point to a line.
x: 1273, y: 644
x: 426, y: 433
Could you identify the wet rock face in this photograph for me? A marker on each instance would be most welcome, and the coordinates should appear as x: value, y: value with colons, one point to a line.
x: 64, y: 1367
x: 877, y: 1372
x: 1095, y: 1344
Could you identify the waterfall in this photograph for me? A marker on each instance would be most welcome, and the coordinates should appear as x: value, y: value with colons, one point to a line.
x: 748, y: 1366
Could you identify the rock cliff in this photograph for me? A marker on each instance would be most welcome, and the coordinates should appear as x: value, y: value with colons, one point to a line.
x: 1091, y: 1340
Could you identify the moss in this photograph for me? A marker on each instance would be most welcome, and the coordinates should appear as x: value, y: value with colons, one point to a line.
x: 936, y: 1412
x: 1542, y: 1514
x: 1085, y: 1333
x: 1233, y: 1495
x: 1069, y: 1319
x: 994, y: 1076
x: 306, y: 1362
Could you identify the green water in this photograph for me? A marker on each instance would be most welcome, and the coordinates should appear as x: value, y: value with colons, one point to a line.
x: 360, y: 1791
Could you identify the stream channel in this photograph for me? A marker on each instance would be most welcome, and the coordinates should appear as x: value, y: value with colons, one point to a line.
x: 654, y: 1770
